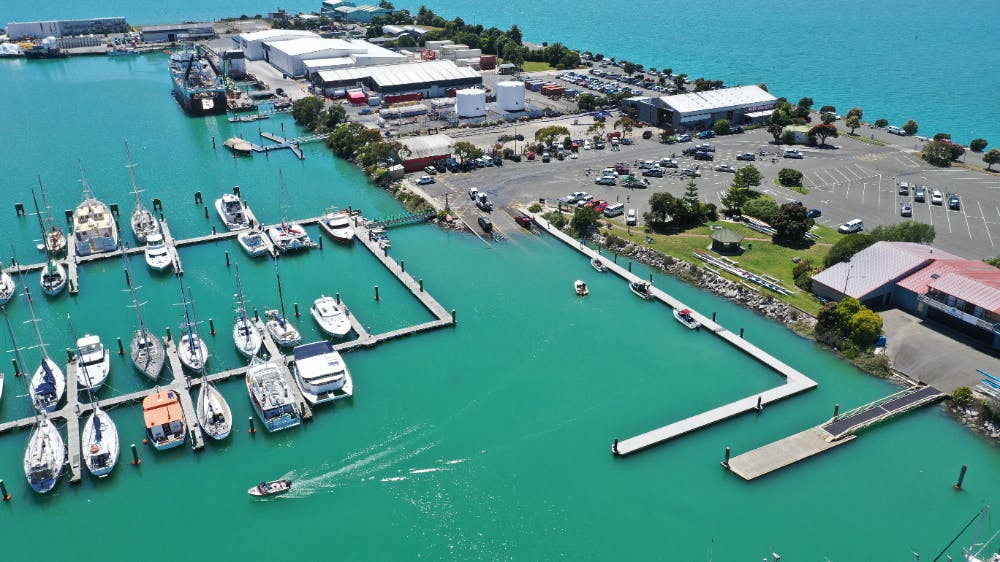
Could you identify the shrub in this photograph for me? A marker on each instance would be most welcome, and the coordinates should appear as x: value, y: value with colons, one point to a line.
x: 534, y: 208
x: 789, y: 177
x: 977, y: 145
x: 763, y: 208
x: 788, y: 137
x: 881, y: 123
x: 942, y: 136
x: 962, y: 395
x: 937, y: 153
x: 556, y: 218
x: 847, y: 247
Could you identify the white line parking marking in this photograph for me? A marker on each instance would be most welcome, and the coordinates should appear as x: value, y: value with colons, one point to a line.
x: 948, y: 218
x: 964, y: 214
x: 985, y: 223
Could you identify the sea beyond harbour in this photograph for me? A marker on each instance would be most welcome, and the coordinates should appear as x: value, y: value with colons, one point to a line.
x: 490, y: 440
x: 896, y: 59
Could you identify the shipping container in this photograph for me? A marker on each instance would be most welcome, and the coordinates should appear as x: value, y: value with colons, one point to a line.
x: 488, y: 62
x: 399, y: 98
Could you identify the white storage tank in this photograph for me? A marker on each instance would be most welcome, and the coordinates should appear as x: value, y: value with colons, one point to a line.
x: 470, y: 103
x: 510, y: 96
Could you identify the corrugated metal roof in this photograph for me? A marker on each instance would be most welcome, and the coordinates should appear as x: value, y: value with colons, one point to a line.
x: 402, y: 74
x: 306, y: 45
x: 980, y: 287
x: 713, y: 100
x: 876, y: 265
x: 273, y: 33
x: 427, y: 146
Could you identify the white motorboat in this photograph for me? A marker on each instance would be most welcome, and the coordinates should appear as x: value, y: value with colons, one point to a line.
x: 94, y: 226
x: 581, y: 288
x: 214, y: 415
x: 271, y: 398
x: 44, y: 457
x: 598, y: 265
x: 289, y: 237
x: 233, y: 211
x: 252, y: 243
x: 7, y: 286
x: 271, y: 488
x: 321, y: 374
x: 145, y: 349
x: 52, y: 276
x: 157, y: 254
x: 143, y: 221
x: 685, y: 317
x: 338, y: 225
x: 100, y: 443
x: 164, y: 419
x: 93, y: 362
x: 246, y: 336
x: 331, y: 316
x: 641, y: 289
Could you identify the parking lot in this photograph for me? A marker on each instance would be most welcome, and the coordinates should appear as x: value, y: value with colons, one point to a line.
x: 847, y: 180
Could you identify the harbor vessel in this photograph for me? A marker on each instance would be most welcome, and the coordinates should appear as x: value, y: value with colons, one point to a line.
x: 641, y: 289
x: 48, y: 384
x: 252, y: 243
x: 281, y: 330
x: 52, y: 276
x: 164, y: 419
x: 337, y: 225
x: 93, y: 224
x: 331, y: 316
x: 272, y: 488
x: 214, y: 415
x: 44, y: 457
x: 233, y: 211
x: 270, y: 396
x: 93, y: 362
x: 7, y: 286
x: 100, y: 443
x: 581, y: 288
x: 144, y: 224
x: 54, y: 237
x: 288, y: 236
x: 145, y: 349
x: 686, y: 319
x: 598, y: 265
x: 191, y: 349
x: 198, y: 85
x: 246, y: 336
x: 321, y: 374
x: 157, y: 254
x: 238, y: 146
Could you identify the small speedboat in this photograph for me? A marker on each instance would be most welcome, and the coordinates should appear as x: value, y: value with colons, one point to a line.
x: 684, y: 317
x: 252, y: 243
x: 233, y: 212
x: 581, y: 288
x: 157, y: 255
x: 338, y: 225
x: 272, y: 488
x: 641, y: 289
x: 598, y: 265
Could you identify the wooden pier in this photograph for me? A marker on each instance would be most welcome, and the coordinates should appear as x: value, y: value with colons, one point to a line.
x: 73, y: 424
x: 181, y: 385
x: 168, y: 241
x: 795, y: 382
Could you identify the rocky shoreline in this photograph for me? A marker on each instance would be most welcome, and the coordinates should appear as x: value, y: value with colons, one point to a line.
x: 973, y: 418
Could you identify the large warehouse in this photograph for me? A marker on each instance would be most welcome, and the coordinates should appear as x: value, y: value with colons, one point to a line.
x: 252, y: 44
x: 432, y: 79
x: 290, y: 56
x: 66, y: 28
x: 743, y: 105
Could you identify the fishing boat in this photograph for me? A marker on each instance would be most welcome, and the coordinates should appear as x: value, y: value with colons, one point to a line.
x: 685, y: 317
x: 54, y: 239
x: 581, y: 288
x: 157, y: 254
x: 321, y: 374
x: 7, y: 286
x: 191, y: 349
x: 641, y: 289
x: 145, y: 349
x: 272, y: 488
x: 238, y: 146
x: 271, y: 397
x: 94, y: 226
x: 337, y: 224
x: 235, y: 214
x: 253, y: 243
x: 288, y: 236
x: 44, y: 457
x: 214, y: 415
x: 93, y: 362
x: 52, y: 276
x: 144, y: 223
x: 164, y: 419
x: 100, y: 443
x: 198, y: 85
x: 246, y: 336
x: 598, y: 265
x: 48, y: 384
x: 281, y: 330
x: 331, y: 316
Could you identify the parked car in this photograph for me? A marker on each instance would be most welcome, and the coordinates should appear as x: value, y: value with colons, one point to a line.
x: 668, y: 163
x: 581, y: 202
x: 792, y: 153
x: 523, y: 220
x: 515, y: 157
x: 748, y: 156
x: 430, y: 170
x: 606, y: 180
x: 587, y: 145
x: 904, y: 188
x: 486, y: 224
x: 725, y: 168
x: 631, y: 218
x: 936, y: 197
x: 484, y: 203
x: 848, y: 227
x: 684, y: 138
x: 474, y: 193
x: 706, y: 134
x: 906, y: 209
x: 704, y: 155
x: 953, y: 202
x: 424, y: 180
x: 813, y: 214
x: 599, y: 145
x: 920, y: 194
x: 530, y: 155
x: 705, y: 147
x: 895, y: 130
x: 647, y: 134
x: 691, y: 172
x: 653, y: 172
x: 546, y: 157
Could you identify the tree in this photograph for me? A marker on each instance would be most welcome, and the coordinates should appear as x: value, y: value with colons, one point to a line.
x: 514, y: 34
x: 306, y: 110
x: 406, y: 41
x: 828, y: 118
x: 630, y: 68
x: 763, y: 86
x: 625, y: 122
x: 597, y: 128
x: 587, y: 102
x: 735, y: 198
x: 977, y: 145
x: 855, y: 111
x: 847, y: 247
x: 663, y: 207
x: 942, y: 136
x: 880, y: 123
x: 910, y: 127
x: 991, y: 157
x: 828, y: 109
x: 748, y: 176
x: 908, y: 231
x: 722, y: 127
x: 466, y: 151
x: 823, y: 130
x: 692, y: 203
x: 788, y: 137
x: 805, y: 103
x: 329, y: 119
x: 962, y: 395
x: 853, y: 122
x: 585, y: 220
x: 547, y: 135
x: 776, y: 129
x: 790, y: 178
x: 866, y: 325
x: 957, y: 151
x: 937, y: 153
x: 791, y: 223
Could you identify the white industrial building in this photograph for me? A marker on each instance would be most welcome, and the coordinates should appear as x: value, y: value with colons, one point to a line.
x: 65, y: 28
x: 741, y: 105
x: 252, y: 44
x: 290, y: 56
x: 431, y: 79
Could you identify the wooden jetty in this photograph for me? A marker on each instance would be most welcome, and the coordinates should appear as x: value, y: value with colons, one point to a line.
x: 168, y: 241
x: 282, y: 142
x: 73, y: 423
x: 836, y: 431
x: 795, y: 382
x: 181, y: 385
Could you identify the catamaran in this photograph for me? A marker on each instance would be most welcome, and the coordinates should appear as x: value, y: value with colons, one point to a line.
x: 281, y: 330
x: 246, y: 336
x: 146, y: 350
x: 271, y: 398
x: 143, y: 222
x: 288, y: 236
x: 44, y: 457
x: 94, y: 227
x: 52, y: 277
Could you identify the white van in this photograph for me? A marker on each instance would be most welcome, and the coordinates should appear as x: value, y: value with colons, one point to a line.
x: 614, y: 210
x: 848, y: 227
x: 895, y: 130
x: 631, y: 219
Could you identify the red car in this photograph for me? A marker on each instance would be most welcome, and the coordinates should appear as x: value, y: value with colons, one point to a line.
x: 523, y: 220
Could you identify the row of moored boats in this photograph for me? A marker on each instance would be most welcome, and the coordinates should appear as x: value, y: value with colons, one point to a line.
x: 643, y: 290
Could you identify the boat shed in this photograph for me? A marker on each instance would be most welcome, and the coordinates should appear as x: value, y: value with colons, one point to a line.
x: 425, y: 150
x: 252, y: 44
x: 742, y: 105
x: 349, y: 11
x: 66, y: 28
x: 177, y: 32
x: 725, y: 241
x: 290, y: 56
x: 432, y: 79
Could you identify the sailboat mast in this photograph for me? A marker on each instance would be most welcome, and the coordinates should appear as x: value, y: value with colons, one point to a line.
x: 34, y: 322
x: 131, y: 171
x: 190, y: 338
x: 41, y: 223
x: 239, y: 294
x: 135, y: 299
x: 281, y: 297
x: 13, y: 341
x: 45, y: 203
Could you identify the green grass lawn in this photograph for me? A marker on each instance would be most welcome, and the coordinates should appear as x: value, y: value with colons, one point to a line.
x: 532, y: 66
x: 764, y: 257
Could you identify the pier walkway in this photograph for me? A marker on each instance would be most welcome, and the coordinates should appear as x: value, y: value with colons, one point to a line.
x: 795, y: 382
x: 282, y: 361
x: 168, y: 241
x: 181, y: 385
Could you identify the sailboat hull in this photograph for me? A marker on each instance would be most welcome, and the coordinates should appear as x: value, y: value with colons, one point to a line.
x: 47, y: 399
x: 192, y: 352
x: 53, y: 279
x: 100, y: 449
x: 214, y: 415
x: 44, y: 457
x: 247, y: 338
x: 147, y: 354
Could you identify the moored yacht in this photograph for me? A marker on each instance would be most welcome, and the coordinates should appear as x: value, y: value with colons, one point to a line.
x: 100, y: 443
x: 53, y: 278
x: 233, y: 211
x: 338, y: 225
x: 214, y: 415
x: 164, y: 419
x: 246, y: 336
x: 145, y: 349
x: 48, y: 385
x: 143, y: 222
x: 281, y: 330
x: 271, y: 397
x: 321, y: 373
x: 93, y: 362
x: 44, y: 457
x: 94, y: 226
x: 7, y: 286
x: 331, y: 316
x: 289, y: 237
x: 252, y: 243
x: 157, y: 254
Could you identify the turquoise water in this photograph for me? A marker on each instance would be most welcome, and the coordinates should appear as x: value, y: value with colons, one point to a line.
x: 896, y: 59
x: 489, y: 440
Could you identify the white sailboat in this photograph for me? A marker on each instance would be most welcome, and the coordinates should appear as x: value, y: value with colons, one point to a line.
x: 7, y: 285
x: 281, y: 330
x: 214, y: 415
x: 52, y: 277
x: 191, y: 349
x: 143, y: 221
x: 246, y: 336
x: 100, y: 443
x: 48, y: 384
x: 146, y: 350
x: 54, y: 239
x: 288, y: 236
x: 44, y: 456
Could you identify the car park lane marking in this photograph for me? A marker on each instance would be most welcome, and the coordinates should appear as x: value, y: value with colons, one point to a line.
x: 948, y: 218
x: 985, y: 222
